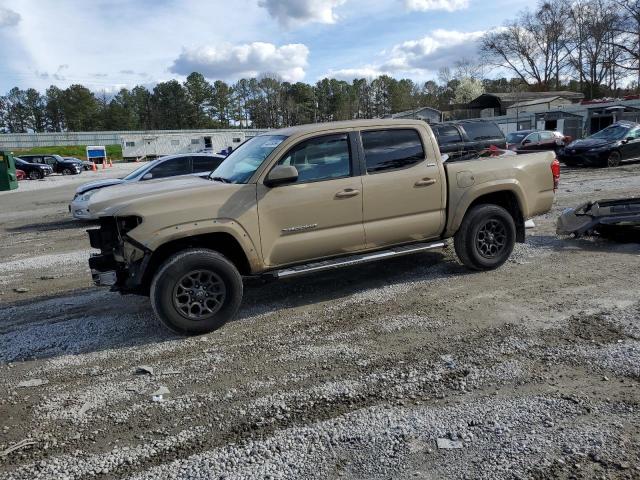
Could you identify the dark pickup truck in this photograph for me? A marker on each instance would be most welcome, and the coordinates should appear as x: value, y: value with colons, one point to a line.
x: 466, y: 138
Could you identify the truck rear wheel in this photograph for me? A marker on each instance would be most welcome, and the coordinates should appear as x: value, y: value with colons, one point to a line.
x: 196, y: 291
x: 485, y: 238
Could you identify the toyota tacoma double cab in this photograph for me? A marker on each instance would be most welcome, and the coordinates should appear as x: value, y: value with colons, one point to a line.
x: 307, y: 199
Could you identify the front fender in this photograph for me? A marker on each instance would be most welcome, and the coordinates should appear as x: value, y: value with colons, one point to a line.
x: 202, y: 227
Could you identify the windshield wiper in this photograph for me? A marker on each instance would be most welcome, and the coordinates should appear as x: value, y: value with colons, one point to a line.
x: 220, y: 179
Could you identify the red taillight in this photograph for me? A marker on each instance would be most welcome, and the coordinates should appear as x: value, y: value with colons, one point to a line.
x: 555, y: 170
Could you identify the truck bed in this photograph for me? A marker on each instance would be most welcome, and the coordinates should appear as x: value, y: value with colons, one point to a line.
x: 527, y: 177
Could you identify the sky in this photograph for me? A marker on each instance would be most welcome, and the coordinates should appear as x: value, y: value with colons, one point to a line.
x: 110, y: 44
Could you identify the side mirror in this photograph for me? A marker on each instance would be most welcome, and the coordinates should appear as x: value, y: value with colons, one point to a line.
x: 147, y: 176
x: 281, y: 175
x: 630, y: 139
x: 526, y: 141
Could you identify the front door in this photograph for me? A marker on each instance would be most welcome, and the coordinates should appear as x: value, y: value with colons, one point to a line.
x: 403, y: 191
x: 320, y: 214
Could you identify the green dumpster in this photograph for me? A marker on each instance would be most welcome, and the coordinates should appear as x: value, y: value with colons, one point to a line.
x: 8, y: 179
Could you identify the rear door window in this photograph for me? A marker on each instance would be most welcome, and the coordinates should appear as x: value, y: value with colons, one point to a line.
x: 546, y: 136
x: 447, y: 134
x: 205, y: 164
x: 172, y: 168
x: 477, y: 131
x: 391, y: 149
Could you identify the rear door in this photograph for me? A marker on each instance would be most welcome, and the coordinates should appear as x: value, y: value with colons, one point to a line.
x: 319, y: 215
x: 547, y: 141
x: 403, y: 192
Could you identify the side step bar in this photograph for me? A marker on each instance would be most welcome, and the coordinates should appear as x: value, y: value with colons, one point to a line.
x: 357, y: 259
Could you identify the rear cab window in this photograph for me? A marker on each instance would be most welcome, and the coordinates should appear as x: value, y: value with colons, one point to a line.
x: 391, y: 149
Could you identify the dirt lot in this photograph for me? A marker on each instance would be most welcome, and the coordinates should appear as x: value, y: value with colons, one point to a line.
x: 533, y: 369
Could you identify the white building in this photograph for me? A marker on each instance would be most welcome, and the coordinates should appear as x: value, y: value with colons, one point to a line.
x: 157, y: 144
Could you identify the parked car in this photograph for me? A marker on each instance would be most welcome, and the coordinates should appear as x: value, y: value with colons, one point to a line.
x: 465, y: 138
x: 56, y: 162
x: 526, y: 140
x: 307, y: 199
x: 170, y: 166
x: 34, y: 171
x: 85, y: 164
x: 607, y: 148
x: 20, y: 175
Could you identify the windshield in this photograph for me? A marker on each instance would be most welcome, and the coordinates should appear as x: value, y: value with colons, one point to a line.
x: 614, y: 132
x: 241, y: 164
x: 516, y: 137
x: 139, y: 171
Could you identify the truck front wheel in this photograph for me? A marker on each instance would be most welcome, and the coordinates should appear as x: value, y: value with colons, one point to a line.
x: 485, y: 238
x: 196, y: 291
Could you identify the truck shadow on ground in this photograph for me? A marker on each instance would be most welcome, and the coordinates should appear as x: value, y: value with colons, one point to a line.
x: 94, y: 320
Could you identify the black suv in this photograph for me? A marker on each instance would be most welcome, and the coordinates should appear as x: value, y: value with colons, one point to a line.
x: 607, y: 148
x: 464, y: 139
x: 35, y: 171
x: 56, y: 162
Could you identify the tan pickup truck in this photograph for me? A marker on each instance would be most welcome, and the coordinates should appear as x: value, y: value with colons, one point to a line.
x: 307, y: 199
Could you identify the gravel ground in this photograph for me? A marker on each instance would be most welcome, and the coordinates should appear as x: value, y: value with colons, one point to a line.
x: 411, y: 368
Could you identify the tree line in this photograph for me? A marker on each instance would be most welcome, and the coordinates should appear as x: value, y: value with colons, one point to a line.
x: 590, y: 46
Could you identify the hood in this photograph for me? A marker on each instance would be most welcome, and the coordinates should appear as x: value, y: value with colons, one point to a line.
x: 161, y: 190
x: 69, y: 162
x: 107, y: 182
x: 588, y: 143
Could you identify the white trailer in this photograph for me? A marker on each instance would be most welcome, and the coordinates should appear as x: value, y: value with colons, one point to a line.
x: 151, y: 144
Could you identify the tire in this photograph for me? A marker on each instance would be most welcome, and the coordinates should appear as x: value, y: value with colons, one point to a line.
x: 613, y: 160
x: 67, y: 171
x: 219, y: 290
x: 36, y: 175
x: 485, y: 238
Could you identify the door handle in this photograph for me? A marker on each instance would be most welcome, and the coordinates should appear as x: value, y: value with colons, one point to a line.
x: 348, y: 192
x: 425, y: 182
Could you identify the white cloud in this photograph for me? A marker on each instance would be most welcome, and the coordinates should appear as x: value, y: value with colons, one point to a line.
x: 298, y: 12
x: 248, y: 60
x: 350, y: 74
x: 8, y: 18
x: 439, y: 49
x: 420, y: 58
x: 425, y: 5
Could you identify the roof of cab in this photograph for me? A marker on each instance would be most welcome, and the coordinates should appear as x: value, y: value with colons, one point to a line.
x: 319, y: 127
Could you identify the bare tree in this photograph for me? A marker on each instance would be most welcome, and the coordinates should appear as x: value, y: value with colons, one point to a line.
x: 533, y: 46
x: 627, y: 37
x: 594, y: 55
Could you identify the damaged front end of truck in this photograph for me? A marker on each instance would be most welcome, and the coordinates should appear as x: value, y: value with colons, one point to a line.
x: 122, y: 260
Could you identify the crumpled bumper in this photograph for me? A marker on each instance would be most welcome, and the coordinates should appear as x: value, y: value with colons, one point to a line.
x: 601, y: 214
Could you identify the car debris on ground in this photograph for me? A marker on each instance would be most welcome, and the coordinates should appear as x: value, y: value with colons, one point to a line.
x: 618, y: 219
